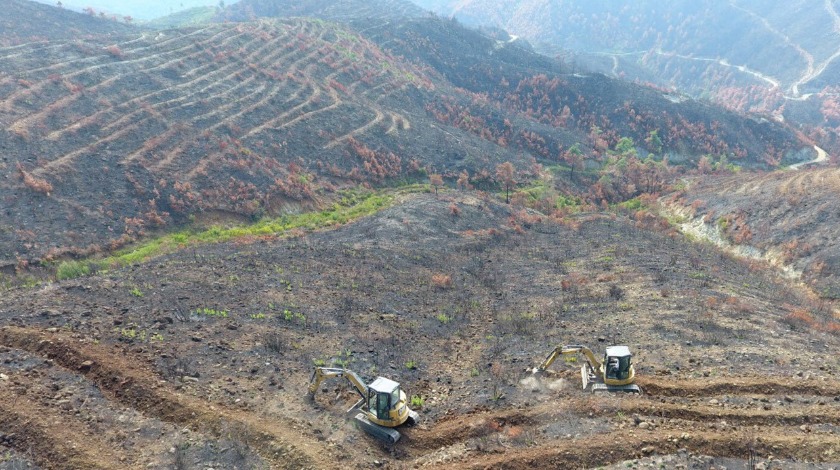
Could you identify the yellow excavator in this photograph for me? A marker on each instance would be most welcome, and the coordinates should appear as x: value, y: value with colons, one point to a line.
x: 382, y: 406
x: 614, y: 374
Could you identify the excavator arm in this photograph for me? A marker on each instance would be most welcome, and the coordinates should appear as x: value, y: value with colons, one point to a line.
x: 323, y: 373
x: 594, y: 363
x: 563, y: 350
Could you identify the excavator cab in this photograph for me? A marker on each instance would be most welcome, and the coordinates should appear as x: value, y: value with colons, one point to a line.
x: 617, y: 361
x: 383, y: 397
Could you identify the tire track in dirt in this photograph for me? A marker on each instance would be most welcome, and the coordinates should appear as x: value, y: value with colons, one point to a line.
x: 793, y: 414
x: 126, y: 381
x: 476, y: 424
x: 53, y: 444
x: 613, y: 447
x: 736, y: 386
x: 682, y: 417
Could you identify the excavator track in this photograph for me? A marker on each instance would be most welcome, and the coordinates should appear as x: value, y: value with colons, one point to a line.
x: 601, y: 387
x: 391, y: 436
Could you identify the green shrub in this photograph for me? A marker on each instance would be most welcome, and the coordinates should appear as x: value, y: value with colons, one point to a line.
x: 417, y: 401
x: 72, y: 270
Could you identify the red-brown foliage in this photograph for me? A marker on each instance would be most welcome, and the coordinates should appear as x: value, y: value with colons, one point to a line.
x: 36, y: 184
x: 115, y: 51
x: 378, y: 165
x: 441, y: 281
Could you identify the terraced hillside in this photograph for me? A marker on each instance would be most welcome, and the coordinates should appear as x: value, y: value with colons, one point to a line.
x: 200, y: 358
x: 243, y: 118
x: 252, y: 119
x: 590, y: 110
x: 786, y: 217
x: 524, y: 83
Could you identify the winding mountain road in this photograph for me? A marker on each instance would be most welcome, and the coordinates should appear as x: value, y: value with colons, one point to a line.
x: 821, y: 157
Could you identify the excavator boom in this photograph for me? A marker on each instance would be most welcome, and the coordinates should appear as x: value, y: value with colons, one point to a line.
x: 594, y: 363
x: 323, y: 373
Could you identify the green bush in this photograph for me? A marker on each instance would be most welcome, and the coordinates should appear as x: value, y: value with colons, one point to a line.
x: 417, y: 401
x: 72, y: 270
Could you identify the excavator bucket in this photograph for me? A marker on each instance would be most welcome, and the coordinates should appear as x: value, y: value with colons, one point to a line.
x: 584, y: 376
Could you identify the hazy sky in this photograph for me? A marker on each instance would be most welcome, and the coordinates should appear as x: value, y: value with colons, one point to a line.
x: 139, y: 9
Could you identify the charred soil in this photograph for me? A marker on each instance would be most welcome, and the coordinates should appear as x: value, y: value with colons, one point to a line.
x: 203, y: 356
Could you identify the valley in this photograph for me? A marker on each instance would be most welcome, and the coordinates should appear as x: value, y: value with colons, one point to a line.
x: 775, y: 59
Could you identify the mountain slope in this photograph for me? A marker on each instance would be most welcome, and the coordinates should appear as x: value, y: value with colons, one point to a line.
x: 112, y: 140
x: 594, y: 108
x: 525, y: 83
x: 766, y: 57
x: 24, y: 21
x: 788, y: 218
x: 213, y: 347
x: 240, y: 118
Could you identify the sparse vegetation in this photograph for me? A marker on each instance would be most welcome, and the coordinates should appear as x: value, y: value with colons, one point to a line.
x: 211, y: 312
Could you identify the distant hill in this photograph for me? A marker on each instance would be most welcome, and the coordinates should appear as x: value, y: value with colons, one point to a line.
x: 775, y: 58
x: 24, y: 21
x: 338, y: 10
x: 600, y: 109
x: 112, y: 139
x: 191, y: 17
x: 140, y: 10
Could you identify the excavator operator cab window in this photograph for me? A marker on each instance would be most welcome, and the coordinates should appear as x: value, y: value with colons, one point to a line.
x: 618, y: 367
x: 613, y: 368
x: 617, y: 361
x: 383, y: 405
